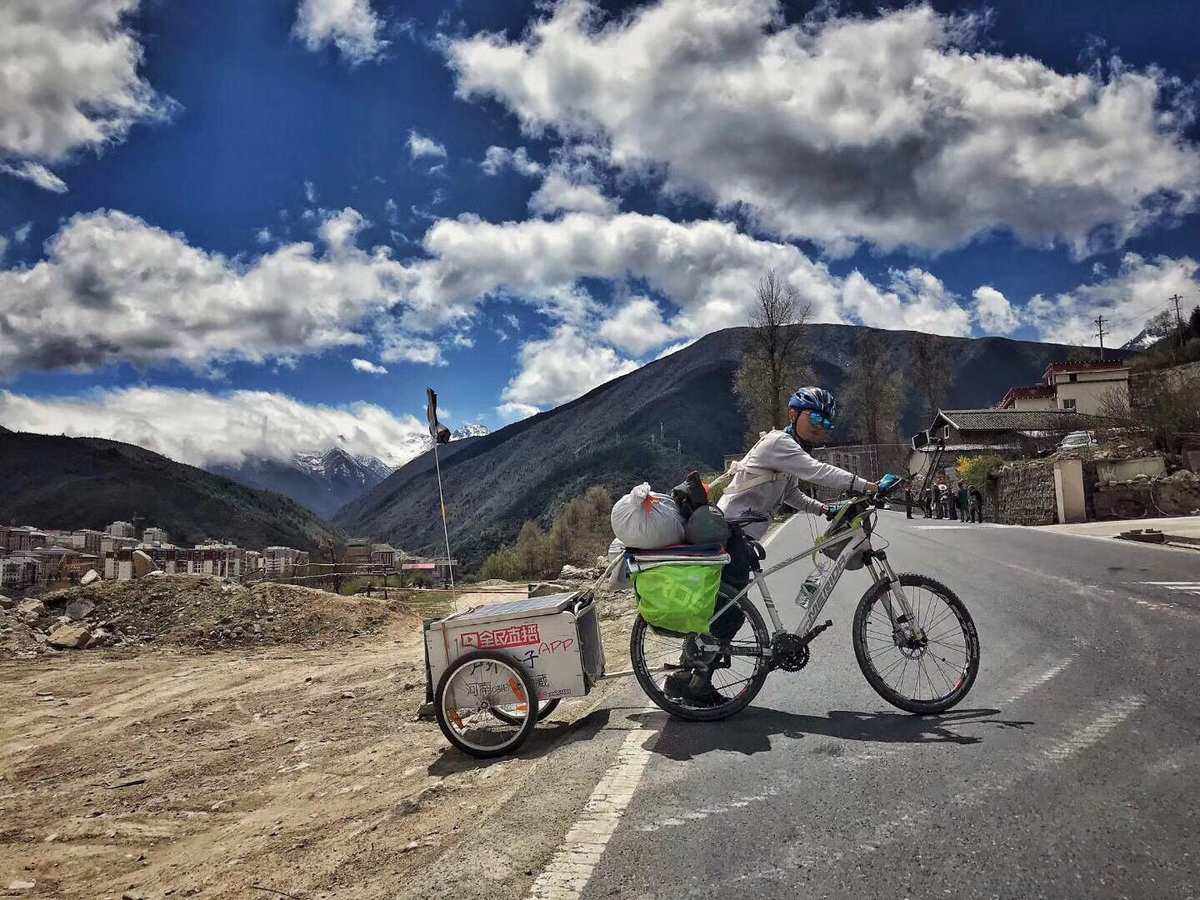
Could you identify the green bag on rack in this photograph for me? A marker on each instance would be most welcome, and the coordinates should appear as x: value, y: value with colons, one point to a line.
x: 679, y: 598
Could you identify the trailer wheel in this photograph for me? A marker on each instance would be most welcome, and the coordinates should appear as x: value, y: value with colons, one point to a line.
x: 486, y: 704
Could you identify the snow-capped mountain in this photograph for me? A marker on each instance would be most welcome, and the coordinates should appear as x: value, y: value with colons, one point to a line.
x: 471, y: 429
x: 324, y: 481
x: 1156, y: 328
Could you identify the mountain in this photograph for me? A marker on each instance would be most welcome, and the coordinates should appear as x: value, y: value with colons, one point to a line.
x: 62, y: 482
x: 611, y: 436
x: 324, y: 482
x: 1157, y: 327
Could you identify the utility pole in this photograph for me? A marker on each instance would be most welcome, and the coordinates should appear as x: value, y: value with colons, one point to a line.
x: 1178, y: 320
x: 1100, y: 332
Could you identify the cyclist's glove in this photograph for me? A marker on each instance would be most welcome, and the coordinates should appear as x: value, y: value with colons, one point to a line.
x: 832, y: 509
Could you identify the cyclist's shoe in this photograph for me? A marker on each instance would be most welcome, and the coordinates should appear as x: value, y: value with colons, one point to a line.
x: 692, y: 688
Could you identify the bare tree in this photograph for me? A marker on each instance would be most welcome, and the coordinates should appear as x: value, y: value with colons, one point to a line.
x: 774, y: 361
x: 874, y: 394
x: 931, y: 371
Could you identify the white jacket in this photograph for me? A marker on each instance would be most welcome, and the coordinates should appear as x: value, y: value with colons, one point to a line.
x: 769, y: 475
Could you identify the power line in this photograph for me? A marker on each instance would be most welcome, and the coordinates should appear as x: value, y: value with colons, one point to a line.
x: 1100, y: 332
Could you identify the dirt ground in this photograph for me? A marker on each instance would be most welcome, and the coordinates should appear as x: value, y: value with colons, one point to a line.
x: 249, y: 772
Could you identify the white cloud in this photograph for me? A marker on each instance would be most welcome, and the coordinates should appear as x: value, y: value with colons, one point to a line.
x: 21, y: 232
x: 420, y: 145
x: 561, y: 193
x: 367, y: 367
x: 180, y: 423
x: 69, y: 80
x: 350, y: 25
x: 514, y: 412
x: 637, y: 327
x: 708, y: 269
x: 264, y: 236
x: 397, y: 345
x: 917, y: 301
x: 310, y: 191
x: 1127, y: 299
x: 37, y: 174
x: 114, y: 289
x: 559, y: 368
x: 894, y: 129
x: 993, y: 311
x: 497, y: 159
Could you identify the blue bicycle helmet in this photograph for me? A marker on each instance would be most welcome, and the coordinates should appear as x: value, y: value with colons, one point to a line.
x: 818, y: 403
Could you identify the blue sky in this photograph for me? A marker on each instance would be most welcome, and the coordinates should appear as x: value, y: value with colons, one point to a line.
x: 227, y: 203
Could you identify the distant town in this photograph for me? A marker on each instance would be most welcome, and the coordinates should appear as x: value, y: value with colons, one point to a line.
x: 36, y: 557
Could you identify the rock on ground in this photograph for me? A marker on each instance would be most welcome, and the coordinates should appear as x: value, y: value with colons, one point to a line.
x: 70, y: 637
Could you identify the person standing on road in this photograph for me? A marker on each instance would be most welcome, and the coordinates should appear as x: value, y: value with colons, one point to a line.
x: 927, y: 502
x: 908, y: 503
x: 976, y: 499
x: 963, y: 500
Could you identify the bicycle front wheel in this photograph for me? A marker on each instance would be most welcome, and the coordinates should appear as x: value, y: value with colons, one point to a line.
x: 929, y: 672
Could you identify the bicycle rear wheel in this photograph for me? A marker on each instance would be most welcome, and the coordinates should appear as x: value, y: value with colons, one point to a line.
x: 930, y: 673
x: 737, y: 671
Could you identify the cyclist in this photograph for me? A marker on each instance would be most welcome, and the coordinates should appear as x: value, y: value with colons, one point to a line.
x: 766, y: 478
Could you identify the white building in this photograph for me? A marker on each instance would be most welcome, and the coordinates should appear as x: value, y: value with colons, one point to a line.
x: 154, y: 535
x: 1080, y: 387
x: 87, y: 539
x: 120, y: 529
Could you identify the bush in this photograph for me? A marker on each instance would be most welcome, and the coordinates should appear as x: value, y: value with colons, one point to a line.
x: 975, y: 470
x: 502, y: 564
x: 580, y: 532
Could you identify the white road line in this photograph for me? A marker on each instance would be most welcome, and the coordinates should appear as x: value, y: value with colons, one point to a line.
x: 1186, y: 587
x: 1083, y: 738
x: 571, y: 867
x: 1025, y: 685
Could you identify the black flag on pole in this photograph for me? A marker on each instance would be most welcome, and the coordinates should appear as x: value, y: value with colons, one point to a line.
x: 440, y: 433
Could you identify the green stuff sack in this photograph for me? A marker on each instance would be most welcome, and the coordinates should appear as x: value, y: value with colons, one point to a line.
x: 678, y: 598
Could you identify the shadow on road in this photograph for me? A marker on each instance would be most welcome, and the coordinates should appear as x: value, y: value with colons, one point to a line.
x: 751, y: 731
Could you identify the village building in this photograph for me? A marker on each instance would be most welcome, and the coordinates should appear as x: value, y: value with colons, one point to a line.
x: 19, y: 571
x: 384, y: 555
x: 87, y: 539
x: 282, y: 561
x: 154, y: 535
x: 21, y: 539
x: 1085, y: 388
x: 121, y: 530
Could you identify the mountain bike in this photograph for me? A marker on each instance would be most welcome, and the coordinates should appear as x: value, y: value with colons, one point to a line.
x: 914, y: 639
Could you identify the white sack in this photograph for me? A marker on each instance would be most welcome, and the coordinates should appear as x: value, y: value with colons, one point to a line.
x: 647, y: 520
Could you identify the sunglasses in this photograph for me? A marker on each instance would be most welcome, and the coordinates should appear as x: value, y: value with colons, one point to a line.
x: 819, y: 421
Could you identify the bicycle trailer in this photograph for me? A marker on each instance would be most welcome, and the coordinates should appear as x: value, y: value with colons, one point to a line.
x: 509, y: 661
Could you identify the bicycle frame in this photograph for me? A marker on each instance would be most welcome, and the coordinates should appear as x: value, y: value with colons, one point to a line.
x: 876, y: 563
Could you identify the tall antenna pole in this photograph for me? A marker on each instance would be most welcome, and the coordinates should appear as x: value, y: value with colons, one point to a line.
x: 1100, y: 332
x: 445, y: 527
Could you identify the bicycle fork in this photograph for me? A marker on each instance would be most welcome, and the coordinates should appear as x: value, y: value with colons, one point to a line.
x: 895, y: 601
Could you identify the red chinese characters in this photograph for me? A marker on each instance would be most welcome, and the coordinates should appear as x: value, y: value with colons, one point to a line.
x: 498, y: 638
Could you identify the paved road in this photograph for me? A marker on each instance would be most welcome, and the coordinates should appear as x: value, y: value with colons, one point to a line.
x: 1072, y: 769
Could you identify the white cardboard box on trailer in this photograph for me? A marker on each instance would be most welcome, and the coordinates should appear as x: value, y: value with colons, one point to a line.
x: 556, y: 638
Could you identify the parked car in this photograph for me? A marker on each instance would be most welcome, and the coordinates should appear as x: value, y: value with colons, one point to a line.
x: 1077, y: 439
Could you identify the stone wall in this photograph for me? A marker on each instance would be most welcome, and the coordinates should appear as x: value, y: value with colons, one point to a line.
x: 1024, y: 494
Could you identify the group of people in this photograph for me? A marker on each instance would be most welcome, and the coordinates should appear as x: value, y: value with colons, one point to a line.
x: 941, y: 501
